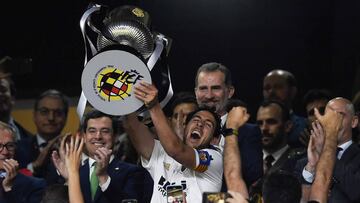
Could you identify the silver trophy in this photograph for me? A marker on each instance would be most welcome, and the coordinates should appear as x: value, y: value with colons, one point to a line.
x: 127, y: 51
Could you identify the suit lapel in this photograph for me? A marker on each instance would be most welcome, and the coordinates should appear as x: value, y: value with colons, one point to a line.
x: 23, y: 133
x: 98, y: 191
x: 85, y: 182
x: 350, y: 152
x: 35, y: 148
x: 280, y: 162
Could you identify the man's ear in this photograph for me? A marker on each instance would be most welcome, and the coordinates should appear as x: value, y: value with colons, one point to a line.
x: 354, y: 122
x: 231, y: 90
x: 288, y: 126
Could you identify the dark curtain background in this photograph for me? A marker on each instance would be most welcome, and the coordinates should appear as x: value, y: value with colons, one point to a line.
x: 318, y: 41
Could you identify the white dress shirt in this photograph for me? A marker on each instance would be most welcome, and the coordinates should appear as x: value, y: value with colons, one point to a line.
x: 309, y: 177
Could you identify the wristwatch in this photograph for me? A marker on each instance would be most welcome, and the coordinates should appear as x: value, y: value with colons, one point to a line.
x: 230, y: 131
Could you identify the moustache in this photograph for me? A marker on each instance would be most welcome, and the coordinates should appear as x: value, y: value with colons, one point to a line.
x: 267, y: 135
x: 211, y: 100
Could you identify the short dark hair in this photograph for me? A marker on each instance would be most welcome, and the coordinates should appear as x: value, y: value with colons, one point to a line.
x: 5, y: 67
x: 212, y: 67
x: 316, y: 94
x: 57, y: 193
x: 53, y: 94
x: 281, y: 187
x: 8, y: 78
x: 93, y: 114
x: 217, y: 130
x: 181, y: 98
x: 285, y: 112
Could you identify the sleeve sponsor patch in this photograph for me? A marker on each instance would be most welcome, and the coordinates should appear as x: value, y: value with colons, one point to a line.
x: 204, y: 161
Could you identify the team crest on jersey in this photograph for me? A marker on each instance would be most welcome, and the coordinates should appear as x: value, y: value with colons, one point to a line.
x: 202, y: 156
x: 204, y: 161
x: 166, y: 166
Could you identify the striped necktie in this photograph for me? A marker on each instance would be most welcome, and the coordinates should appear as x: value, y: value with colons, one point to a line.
x: 269, y: 159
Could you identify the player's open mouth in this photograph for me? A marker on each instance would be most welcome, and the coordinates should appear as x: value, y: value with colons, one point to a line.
x: 195, y: 135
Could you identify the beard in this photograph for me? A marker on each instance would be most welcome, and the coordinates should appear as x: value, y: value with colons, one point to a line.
x: 274, y: 142
x: 215, y: 106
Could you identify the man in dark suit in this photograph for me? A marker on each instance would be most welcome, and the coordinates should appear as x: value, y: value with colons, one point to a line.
x: 281, y: 85
x: 15, y: 187
x: 274, y: 121
x: 213, y: 88
x: 346, y: 176
x: 103, y: 177
x: 7, y: 100
x: 50, y: 114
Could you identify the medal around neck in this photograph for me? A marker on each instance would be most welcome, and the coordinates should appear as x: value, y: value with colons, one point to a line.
x: 108, y: 80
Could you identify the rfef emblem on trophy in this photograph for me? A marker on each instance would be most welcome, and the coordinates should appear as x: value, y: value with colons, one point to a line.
x: 125, y: 54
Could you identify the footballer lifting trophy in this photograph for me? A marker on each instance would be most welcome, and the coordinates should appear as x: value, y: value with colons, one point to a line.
x: 127, y: 52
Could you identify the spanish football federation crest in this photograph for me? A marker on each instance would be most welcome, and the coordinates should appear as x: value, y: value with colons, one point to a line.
x: 124, y: 53
x: 108, y: 80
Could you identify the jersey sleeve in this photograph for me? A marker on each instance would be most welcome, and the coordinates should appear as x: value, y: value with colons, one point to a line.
x: 207, y: 158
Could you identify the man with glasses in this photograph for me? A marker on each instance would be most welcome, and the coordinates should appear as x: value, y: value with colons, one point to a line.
x: 316, y: 98
x: 103, y: 177
x: 50, y: 114
x: 15, y: 187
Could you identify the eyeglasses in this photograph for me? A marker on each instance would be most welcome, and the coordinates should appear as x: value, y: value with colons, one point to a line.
x: 321, y: 111
x: 10, y: 146
x: 46, y: 112
x: 102, y: 131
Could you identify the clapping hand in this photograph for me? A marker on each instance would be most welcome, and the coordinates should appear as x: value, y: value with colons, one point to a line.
x: 11, y: 166
x: 316, y: 144
x: 102, y: 159
x: 330, y: 121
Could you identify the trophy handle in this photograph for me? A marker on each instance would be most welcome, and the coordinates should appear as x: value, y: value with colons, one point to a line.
x: 94, y: 8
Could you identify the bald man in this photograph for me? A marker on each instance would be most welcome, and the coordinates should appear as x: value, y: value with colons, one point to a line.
x: 346, y: 174
x: 280, y: 85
